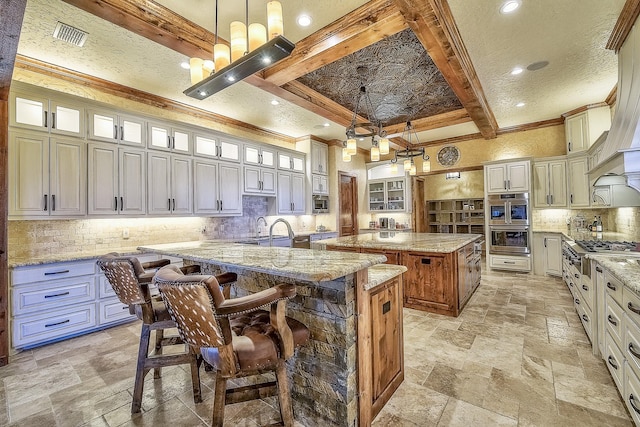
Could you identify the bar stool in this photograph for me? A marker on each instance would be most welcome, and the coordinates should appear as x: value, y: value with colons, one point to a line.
x: 235, y: 336
x: 130, y: 282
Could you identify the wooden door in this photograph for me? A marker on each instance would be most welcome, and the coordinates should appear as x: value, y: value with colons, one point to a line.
x: 348, y: 205
x: 419, y: 217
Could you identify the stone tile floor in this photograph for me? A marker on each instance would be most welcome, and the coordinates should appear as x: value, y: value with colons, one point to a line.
x: 516, y: 356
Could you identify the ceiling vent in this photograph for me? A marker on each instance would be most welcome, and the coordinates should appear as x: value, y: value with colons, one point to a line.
x: 70, y: 34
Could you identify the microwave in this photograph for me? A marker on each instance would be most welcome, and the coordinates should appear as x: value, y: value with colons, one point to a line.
x: 320, y: 204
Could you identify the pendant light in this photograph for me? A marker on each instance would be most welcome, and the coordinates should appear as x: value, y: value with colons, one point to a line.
x: 352, y: 147
x: 346, y: 157
x: 412, y: 170
x: 383, y: 145
x: 394, y: 168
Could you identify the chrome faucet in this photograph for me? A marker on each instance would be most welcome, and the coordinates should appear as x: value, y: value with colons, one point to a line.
x: 258, y: 224
x: 291, y: 235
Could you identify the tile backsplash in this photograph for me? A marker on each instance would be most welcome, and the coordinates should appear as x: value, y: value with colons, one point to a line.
x: 621, y: 220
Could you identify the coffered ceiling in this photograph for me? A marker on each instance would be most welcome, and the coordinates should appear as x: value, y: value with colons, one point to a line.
x: 444, y: 64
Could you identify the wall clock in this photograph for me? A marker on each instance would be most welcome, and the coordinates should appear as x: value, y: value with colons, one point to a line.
x: 448, y: 156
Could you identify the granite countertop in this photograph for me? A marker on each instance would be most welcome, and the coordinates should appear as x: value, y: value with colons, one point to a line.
x: 302, y: 264
x: 66, y: 257
x: 420, y: 242
x: 378, y: 274
x: 625, y: 268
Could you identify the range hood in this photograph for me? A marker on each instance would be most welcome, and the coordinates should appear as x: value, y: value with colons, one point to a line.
x: 620, y: 153
x: 611, y: 190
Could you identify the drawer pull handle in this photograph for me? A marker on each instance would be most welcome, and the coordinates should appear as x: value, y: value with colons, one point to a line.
x: 57, y: 323
x: 57, y: 295
x: 577, y: 301
x: 610, y: 286
x: 577, y: 276
x: 631, y: 400
x: 585, y: 318
x: 612, y: 320
x: 585, y: 287
x: 598, y: 269
x: 509, y: 262
x: 612, y: 362
x: 633, y: 351
x: 56, y: 272
x: 633, y: 308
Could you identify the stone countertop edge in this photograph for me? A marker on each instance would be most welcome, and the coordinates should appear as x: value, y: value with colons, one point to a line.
x: 69, y: 257
x: 381, y: 273
x: 417, y: 242
x: 625, y: 268
x: 300, y: 264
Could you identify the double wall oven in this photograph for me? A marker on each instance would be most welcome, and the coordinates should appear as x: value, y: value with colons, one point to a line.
x: 509, y: 216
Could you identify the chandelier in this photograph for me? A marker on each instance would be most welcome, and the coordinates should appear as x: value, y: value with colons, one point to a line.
x: 408, y: 154
x: 248, y: 53
x: 371, y: 129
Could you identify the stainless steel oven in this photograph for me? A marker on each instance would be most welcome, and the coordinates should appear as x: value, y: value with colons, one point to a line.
x: 509, y: 240
x: 509, y: 209
x: 320, y: 204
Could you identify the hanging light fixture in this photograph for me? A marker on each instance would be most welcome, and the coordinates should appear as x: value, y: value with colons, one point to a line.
x: 346, y: 156
x: 409, y: 134
x: 394, y: 168
x: 352, y: 146
x: 373, y: 128
x: 249, y: 53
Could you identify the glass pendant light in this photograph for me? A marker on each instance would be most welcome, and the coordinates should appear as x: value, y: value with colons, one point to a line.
x: 426, y: 165
x: 346, y: 157
x: 195, y: 67
x: 257, y: 36
x: 383, y: 145
x: 412, y: 170
x: 407, y: 164
x: 238, y: 40
x: 352, y: 146
x: 274, y: 19
x: 375, y: 154
x: 394, y: 168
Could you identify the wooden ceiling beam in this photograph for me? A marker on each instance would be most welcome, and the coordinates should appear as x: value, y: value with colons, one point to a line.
x: 363, y: 27
x: 434, y: 122
x: 433, y: 24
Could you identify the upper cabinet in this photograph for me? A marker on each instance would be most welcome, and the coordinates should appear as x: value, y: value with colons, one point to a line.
x: 319, y: 158
x: 259, y: 155
x: 59, y: 116
x: 389, y: 195
x: 579, y: 188
x: 550, y: 184
x: 291, y: 161
x: 216, y: 147
x: 291, y: 193
x: 110, y: 126
x: 582, y: 129
x: 509, y: 177
x: 217, y: 188
x: 169, y: 184
x: 169, y: 138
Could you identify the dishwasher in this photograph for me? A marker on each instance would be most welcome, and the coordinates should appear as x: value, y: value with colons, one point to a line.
x: 303, y: 242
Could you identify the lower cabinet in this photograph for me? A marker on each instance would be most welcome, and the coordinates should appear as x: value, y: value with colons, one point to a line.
x: 547, y: 254
x: 508, y: 262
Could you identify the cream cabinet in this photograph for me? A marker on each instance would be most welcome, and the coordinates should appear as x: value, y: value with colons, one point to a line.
x: 510, y: 177
x: 169, y: 138
x: 47, y: 175
x: 319, y: 158
x: 57, y: 115
x: 216, y: 147
x: 217, y: 188
x: 547, y: 254
x: 291, y: 193
x: 259, y: 180
x: 169, y: 184
x: 111, y: 126
x: 582, y: 129
x: 579, y: 188
x: 320, y: 184
x: 291, y: 161
x: 388, y: 195
x: 117, y: 180
x: 550, y: 184
x: 259, y: 156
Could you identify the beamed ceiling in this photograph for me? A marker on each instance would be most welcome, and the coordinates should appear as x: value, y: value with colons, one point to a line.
x: 416, y: 63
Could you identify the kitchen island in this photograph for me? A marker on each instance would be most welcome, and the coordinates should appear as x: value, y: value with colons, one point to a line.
x: 351, y: 303
x: 443, y: 270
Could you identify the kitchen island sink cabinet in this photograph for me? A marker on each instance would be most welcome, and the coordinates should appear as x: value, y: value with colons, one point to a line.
x: 443, y: 270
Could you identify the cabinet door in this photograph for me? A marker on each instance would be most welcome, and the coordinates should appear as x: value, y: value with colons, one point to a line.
x: 252, y: 180
x: 205, y: 146
x: 66, y: 119
x: 29, y: 174
x: 205, y: 187
x: 558, y: 183
x: 103, y: 179
x: 427, y: 282
x: 229, y: 150
x: 159, y: 137
x: 540, y: 185
x: 230, y: 189
x: 319, y: 184
x: 298, y: 193
x: 132, y: 181
x: 252, y: 155
x: 284, y: 193
x: 576, y: 133
x: 395, y: 195
x: 496, y: 176
x: 29, y: 111
x: 268, y: 158
x: 579, y: 194
x: 180, y: 141
x: 553, y: 255
x: 67, y: 177
x: 181, y: 186
x: 159, y: 181
x: 319, y: 158
x: 290, y: 161
x: 131, y: 131
x: 103, y: 126
x: 518, y: 176
x: 268, y: 178
x: 376, y: 195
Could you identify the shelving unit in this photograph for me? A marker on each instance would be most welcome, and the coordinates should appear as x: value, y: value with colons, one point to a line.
x: 387, y: 195
x: 456, y: 216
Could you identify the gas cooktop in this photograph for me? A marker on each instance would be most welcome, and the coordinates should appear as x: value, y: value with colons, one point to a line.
x: 606, y: 246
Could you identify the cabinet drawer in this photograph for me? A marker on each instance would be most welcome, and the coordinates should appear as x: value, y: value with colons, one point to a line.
x: 510, y: 262
x: 631, y: 394
x: 35, y: 329
x: 55, y: 271
x: 631, y: 305
x: 613, y: 286
x: 586, y: 290
x: 113, y: 310
x: 54, y: 295
x: 104, y: 288
x: 614, y: 315
x: 585, y: 318
x: 614, y: 359
x: 632, y: 345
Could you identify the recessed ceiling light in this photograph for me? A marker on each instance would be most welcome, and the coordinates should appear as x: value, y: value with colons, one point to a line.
x: 231, y: 79
x: 304, y: 20
x: 516, y: 71
x: 509, y: 6
x: 326, y: 125
x: 266, y: 60
x: 203, y: 93
x: 185, y: 65
x: 274, y: 102
x: 520, y: 104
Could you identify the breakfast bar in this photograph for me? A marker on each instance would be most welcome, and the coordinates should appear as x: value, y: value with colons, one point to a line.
x: 351, y: 303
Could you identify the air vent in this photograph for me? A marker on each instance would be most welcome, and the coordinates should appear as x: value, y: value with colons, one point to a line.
x: 70, y: 34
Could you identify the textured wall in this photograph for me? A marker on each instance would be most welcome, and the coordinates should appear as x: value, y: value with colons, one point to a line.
x: 470, y: 184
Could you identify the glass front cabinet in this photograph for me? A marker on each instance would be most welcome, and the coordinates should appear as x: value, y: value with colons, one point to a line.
x: 388, y: 195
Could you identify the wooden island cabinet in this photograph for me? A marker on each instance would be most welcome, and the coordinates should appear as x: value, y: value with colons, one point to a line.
x: 443, y: 270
